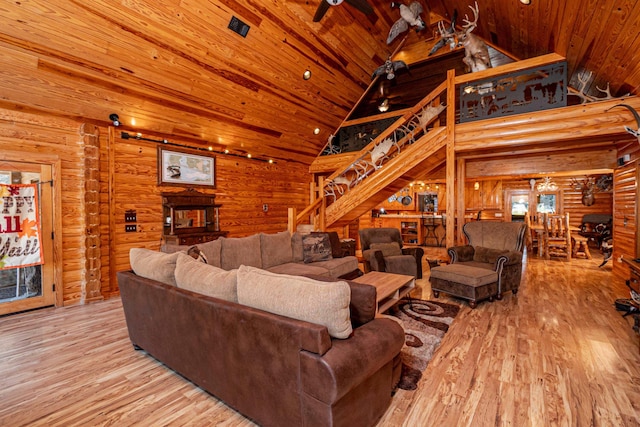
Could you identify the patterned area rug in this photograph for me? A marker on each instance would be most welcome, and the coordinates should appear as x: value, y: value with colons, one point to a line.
x: 425, y: 323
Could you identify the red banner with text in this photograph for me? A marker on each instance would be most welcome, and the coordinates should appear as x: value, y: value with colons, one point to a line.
x: 19, y: 226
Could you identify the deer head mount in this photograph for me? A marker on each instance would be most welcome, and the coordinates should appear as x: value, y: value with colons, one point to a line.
x: 476, y: 52
x: 588, y: 187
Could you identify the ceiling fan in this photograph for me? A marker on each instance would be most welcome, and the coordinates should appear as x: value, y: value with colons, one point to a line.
x: 361, y: 5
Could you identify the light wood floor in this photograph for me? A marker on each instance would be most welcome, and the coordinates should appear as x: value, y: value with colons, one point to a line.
x: 556, y: 354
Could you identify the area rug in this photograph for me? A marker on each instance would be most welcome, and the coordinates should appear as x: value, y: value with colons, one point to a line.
x: 425, y: 323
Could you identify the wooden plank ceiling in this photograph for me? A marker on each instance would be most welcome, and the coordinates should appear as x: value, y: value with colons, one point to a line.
x: 177, y: 70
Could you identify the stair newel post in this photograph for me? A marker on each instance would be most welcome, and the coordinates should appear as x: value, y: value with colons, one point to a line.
x: 323, y: 206
x: 292, y: 220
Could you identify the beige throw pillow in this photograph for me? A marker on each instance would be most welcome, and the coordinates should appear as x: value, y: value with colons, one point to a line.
x: 206, y: 279
x: 323, y: 303
x: 154, y: 265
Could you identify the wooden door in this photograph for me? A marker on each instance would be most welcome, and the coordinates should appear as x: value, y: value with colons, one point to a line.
x: 31, y: 287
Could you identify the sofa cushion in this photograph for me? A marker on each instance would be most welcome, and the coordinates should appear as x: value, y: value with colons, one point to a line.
x: 211, y: 251
x: 206, y: 279
x: 299, y: 269
x: 488, y: 255
x: 239, y: 251
x: 387, y: 249
x: 154, y: 265
x: 323, y: 303
x: 316, y: 247
x: 337, y: 266
x: 297, y: 252
x: 275, y: 249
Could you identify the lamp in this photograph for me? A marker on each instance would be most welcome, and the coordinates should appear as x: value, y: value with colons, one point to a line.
x: 476, y: 185
x: 115, y: 119
x: 384, y: 105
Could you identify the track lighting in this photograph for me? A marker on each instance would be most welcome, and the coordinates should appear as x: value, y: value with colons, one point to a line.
x: 226, y: 151
x: 115, y: 119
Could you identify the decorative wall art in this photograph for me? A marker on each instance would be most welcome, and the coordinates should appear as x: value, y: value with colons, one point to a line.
x: 183, y: 167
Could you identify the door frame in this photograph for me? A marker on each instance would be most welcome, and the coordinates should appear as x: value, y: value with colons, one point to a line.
x: 510, y: 194
x: 54, y: 162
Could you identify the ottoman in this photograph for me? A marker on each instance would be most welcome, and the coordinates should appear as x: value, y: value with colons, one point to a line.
x: 464, y: 281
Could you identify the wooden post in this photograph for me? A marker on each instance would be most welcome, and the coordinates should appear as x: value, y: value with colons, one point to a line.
x: 460, y: 191
x: 292, y: 220
x: 450, y: 168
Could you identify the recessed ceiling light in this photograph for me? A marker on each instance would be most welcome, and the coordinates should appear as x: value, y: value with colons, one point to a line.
x: 306, y: 75
x: 525, y: 1
x: 316, y: 131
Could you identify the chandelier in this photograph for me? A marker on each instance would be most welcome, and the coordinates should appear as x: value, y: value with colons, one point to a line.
x: 547, y: 185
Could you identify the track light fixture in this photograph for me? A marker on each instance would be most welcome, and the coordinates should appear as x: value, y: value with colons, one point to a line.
x: 115, y: 119
x: 139, y: 136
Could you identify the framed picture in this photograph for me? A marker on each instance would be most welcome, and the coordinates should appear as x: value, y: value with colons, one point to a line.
x: 185, y: 167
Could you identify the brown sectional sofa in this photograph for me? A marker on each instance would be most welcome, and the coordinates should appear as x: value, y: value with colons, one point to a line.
x: 276, y: 369
x: 279, y: 252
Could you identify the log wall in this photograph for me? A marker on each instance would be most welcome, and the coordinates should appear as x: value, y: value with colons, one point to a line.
x: 35, y: 135
x: 243, y: 186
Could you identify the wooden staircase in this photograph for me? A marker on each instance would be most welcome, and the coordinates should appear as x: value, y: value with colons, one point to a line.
x: 427, y: 144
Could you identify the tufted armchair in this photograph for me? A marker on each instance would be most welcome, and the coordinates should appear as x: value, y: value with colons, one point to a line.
x: 496, y: 246
x: 382, y: 251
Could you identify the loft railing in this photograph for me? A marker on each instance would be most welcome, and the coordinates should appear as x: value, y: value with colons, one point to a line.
x: 389, y: 144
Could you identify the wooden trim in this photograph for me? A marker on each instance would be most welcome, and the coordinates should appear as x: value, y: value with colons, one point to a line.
x: 111, y: 191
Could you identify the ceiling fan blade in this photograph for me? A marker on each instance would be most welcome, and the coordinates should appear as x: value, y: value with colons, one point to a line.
x: 361, y: 5
x: 321, y: 10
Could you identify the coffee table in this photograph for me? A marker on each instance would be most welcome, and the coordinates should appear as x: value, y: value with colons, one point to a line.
x: 390, y: 287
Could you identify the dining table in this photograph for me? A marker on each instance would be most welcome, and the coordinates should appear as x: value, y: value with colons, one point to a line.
x: 539, y: 230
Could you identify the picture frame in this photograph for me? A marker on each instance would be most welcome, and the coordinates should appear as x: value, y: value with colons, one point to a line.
x: 186, y: 168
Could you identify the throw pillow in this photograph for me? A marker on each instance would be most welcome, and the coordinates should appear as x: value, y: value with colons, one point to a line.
x: 211, y: 251
x: 154, y: 265
x: 322, y: 303
x: 316, y: 247
x: 489, y: 255
x: 239, y: 251
x: 206, y: 279
x: 387, y: 249
x: 334, y: 239
x: 275, y: 249
x: 195, y: 253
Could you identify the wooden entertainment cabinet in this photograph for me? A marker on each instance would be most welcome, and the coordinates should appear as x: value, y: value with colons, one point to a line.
x: 190, y: 217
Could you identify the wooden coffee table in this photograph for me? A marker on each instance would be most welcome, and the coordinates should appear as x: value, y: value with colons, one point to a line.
x: 390, y: 287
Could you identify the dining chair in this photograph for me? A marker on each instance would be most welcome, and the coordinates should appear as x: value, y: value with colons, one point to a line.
x: 557, y: 236
x: 534, y: 236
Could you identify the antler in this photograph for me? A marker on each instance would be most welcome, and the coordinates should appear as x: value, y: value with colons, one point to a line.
x: 468, y: 25
x: 606, y: 91
x: 443, y: 31
x: 584, y: 78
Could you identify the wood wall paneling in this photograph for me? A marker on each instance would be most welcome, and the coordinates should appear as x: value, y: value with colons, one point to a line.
x: 243, y: 186
x: 625, y: 216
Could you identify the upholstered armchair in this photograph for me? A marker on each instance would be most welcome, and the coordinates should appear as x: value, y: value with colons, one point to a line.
x: 382, y: 251
x: 494, y: 245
